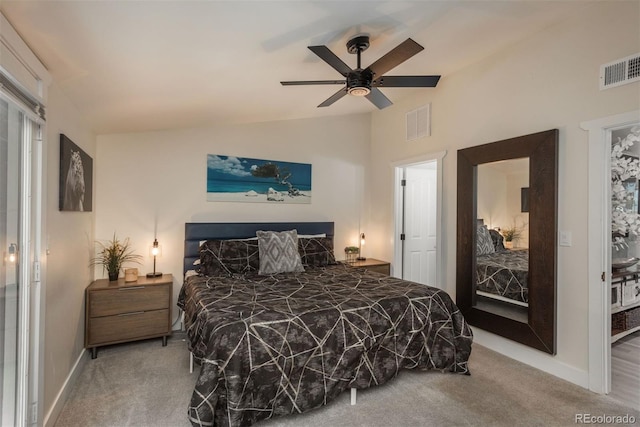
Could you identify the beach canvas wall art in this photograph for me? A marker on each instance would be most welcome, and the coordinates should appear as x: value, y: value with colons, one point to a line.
x: 243, y: 179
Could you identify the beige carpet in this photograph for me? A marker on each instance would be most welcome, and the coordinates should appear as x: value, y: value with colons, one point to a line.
x: 145, y: 384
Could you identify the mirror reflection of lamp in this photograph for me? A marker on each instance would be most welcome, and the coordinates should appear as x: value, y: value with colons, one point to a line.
x: 362, y: 242
x: 155, y: 251
x: 13, y: 253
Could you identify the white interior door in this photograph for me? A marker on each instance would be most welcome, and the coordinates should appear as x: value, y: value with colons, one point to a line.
x: 420, y: 225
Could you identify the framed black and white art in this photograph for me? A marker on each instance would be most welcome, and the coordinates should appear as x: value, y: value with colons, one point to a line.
x: 76, y: 177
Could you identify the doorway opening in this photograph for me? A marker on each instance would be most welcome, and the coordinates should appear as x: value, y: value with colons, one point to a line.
x: 625, y: 287
x: 417, y: 219
x: 599, y: 241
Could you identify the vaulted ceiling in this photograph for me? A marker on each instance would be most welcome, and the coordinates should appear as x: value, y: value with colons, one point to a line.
x: 146, y: 65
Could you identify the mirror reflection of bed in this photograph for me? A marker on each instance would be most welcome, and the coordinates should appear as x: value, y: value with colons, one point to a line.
x: 502, y: 243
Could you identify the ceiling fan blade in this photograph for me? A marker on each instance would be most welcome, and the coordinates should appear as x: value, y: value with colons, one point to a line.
x: 314, y: 82
x: 333, y: 98
x: 378, y: 99
x: 395, y: 57
x: 330, y: 58
x: 406, y: 81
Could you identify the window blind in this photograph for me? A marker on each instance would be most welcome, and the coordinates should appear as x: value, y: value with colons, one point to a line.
x: 14, y: 89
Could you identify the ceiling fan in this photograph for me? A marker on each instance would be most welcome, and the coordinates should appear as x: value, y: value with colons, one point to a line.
x: 366, y: 82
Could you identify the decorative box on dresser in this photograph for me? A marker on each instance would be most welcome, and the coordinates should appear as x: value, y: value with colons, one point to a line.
x: 119, y: 311
x: 372, y: 264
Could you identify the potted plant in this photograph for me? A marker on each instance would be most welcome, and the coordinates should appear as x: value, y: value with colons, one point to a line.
x: 510, y: 234
x: 113, y: 255
x: 352, y: 253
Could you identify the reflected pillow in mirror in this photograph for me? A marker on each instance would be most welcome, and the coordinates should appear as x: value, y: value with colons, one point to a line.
x: 484, y: 244
x: 498, y: 241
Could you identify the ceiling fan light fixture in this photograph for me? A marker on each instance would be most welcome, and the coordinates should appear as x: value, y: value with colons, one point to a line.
x: 364, y: 82
x: 359, y: 91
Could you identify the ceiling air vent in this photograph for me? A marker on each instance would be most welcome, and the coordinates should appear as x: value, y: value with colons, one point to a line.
x: 419, y: 122
x: 620, y: 72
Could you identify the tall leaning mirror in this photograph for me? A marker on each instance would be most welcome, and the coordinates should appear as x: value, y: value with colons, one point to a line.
x: 506, y: 238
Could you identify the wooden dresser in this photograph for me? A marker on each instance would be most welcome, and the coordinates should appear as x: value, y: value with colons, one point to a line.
x: 117, y: 312
x: 372, y: 264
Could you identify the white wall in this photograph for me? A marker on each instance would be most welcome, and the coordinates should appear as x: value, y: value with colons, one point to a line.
x: 492, y: 197
x: 68, y: 242
x: 544, y: 82
x: 499, y: 197
x: 515, y: 182
x: 157, y: 180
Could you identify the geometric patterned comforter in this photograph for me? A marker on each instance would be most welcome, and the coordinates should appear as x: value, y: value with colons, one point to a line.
x: 287, y: 343
x: 504, y: 273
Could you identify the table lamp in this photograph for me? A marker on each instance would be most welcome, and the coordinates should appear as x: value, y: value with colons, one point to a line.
x: 360, y: 257
x: 155, y: 251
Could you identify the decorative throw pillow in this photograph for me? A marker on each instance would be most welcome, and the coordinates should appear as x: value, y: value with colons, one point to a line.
x: 226, y: 257
x: 316, y: 252
x: 484, y: 244
x: 278, y: 252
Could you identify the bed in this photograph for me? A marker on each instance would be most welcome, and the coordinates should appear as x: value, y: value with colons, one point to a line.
x: 281, y: 343
x: 501, y: 273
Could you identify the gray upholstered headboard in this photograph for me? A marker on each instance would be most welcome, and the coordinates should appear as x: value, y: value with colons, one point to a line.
x: 195, y: 232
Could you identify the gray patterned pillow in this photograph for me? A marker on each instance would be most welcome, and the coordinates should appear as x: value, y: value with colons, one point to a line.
x: 278, y: 252
x: 484, y: 244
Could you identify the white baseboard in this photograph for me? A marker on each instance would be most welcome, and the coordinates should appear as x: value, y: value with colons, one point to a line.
x: 537, y: 359
x: 61, y: 398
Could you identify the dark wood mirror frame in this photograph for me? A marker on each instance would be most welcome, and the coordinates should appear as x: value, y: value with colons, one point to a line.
x: 542, y: 150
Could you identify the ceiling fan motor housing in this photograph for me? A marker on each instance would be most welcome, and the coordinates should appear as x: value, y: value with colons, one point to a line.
x: 359, y: 83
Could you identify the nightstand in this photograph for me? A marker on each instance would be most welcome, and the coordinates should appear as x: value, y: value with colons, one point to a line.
x: 372, y: 264
x: 120, y: 311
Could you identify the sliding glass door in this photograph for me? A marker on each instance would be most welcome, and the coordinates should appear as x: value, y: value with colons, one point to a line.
x: 19, y: 275
x: 11, y: 122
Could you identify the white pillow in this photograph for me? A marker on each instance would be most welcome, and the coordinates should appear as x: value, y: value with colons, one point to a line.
x: 311, y: 236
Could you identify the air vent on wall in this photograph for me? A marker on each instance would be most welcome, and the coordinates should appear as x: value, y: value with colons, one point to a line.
x: 419, y: 122
x: 620, y: 72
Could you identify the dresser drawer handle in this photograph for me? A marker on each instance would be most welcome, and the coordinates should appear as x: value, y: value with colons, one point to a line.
x: 133, y: 313
x: 131, y: 288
